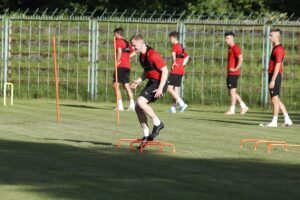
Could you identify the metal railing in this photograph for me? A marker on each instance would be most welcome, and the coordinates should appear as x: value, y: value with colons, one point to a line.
x: 85, y: 53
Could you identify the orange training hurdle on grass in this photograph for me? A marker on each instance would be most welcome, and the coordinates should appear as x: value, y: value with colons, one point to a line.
x: 268, y: 142
x: 160, y: 144
x: 116, y: 82
x: 56, y: 80
x: 247, y: 140
x: 269, y: 147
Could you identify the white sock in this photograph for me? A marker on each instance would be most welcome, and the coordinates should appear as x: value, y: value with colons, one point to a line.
x: 173, y: 108
x: 286, y: 117
x: 274, y: 120
x: 232, y: 109
x: 156, y: 121
x: 243, y: 105
x: 131, y: 104
x: 120, y: 103
x: 180, y: 102
x: 146, y: 131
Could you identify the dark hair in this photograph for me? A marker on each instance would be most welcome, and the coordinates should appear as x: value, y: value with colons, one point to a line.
x: 119, y: 31
x: 276, y: 30
x: 174, y: 34
x: 136, y: 37
x: 229, y: 33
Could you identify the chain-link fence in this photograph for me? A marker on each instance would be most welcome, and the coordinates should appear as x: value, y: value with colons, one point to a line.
x: 86, y: 55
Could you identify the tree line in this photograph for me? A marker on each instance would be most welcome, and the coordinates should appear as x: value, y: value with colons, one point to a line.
x: 206, y: 7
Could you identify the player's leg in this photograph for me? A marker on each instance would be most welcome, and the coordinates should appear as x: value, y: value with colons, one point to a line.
x: 118, y: 94
x: 142, y: 103
x: 171, y: 90
x: 116, y: 86
x: 125, y: 81
x: 232, y: 94
x: 275, y: 103
x: 244, y: 107
x: 231, y: 86
x: 287, y: 120
x: 175, y: 81
x: 142, y: 117
x: 130, y: 97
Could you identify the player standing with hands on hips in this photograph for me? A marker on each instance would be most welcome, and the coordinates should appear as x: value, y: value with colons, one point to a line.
x: 180, y: 58
x: 124, y: 50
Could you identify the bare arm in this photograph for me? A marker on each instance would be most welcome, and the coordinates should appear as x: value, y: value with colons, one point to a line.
x: 276, y: 71
x: 186, y: 59
x: 163, y: 80
x: 119, y: 53
x: 240, y: 62
x: 136, y: 82
x: 133, y: 53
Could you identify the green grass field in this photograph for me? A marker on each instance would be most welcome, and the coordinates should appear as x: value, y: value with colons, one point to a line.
x: 77, y: 159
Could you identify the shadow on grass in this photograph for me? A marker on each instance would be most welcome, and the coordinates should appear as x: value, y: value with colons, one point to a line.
x: 81, y: 141
x: 56, y: 171
x: 85, y: 106
x: 229, y: 121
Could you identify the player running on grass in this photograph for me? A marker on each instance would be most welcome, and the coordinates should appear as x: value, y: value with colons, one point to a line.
x: 275, y: 77
x: 156, y: 71
x: 123, y: 49
x: 180, y: 58
x: 235, y: 60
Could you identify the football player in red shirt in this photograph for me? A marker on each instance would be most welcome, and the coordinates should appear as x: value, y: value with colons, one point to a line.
x: 124, y: 50
x: 156, y: 71
x: 235, y: 60
x: 275, y: 77
x: 180, y: 58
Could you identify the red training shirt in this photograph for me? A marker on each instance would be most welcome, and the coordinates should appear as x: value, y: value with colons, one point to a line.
x: 125, y: 57
x: 277, y: 56
x: 233, y: 54
x: 179, y: 68
x: 154, y: 58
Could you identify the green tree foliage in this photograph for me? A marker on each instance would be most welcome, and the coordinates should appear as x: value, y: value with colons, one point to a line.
x: 207, y: 7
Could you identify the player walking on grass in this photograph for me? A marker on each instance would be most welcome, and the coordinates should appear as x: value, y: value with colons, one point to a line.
x: 180, y: 58
x: 156, y: 71
x: 275, y: 77
x: 235, y: 60
x: 123, y: 49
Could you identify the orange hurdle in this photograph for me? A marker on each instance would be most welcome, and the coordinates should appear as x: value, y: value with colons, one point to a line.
x: 247, y: 140
x: 269, y: 146
x: 268, y: 142
x: 160, y: 144
x: 119, y: 141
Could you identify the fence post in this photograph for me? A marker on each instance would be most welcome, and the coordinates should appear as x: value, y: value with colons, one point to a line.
x: 96, y: 58
x: 266, y: 66
x: 89, y: 59
x: 94, y: 24
x: 6, y: 50
x: 182, y: 39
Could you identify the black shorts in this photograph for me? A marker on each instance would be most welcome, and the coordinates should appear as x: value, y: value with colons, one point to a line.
x: 175, y: 80
x: 232, y: 81
x: 123, y: 75
x: 276, y: 90
x: 152, y: 85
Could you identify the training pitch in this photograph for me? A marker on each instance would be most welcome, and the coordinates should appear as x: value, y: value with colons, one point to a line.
x: 77, y: 158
